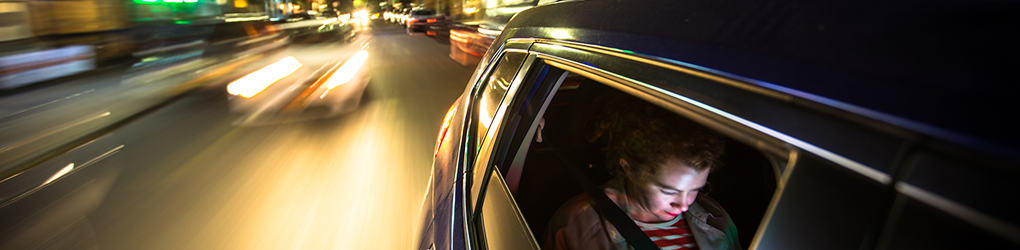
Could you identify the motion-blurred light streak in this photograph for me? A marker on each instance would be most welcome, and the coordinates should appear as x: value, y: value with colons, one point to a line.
x: 561, y: 34
x: 483, y: 112
x: 348, y: 70
x: 61, y: 173
x: 255, y: 82
x: 445, y: 127
x: 49, y: 132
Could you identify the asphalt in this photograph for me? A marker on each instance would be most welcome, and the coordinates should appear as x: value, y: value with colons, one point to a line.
x: 187, y: 175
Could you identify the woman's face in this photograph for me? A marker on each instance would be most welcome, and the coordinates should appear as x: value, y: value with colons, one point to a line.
x: 668, y: 192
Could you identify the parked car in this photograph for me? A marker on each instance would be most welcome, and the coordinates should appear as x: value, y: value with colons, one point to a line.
x: 843, y: 129
x: 468, y: 43
x: 401, y: 16
x: 388, y: 15
x: 417, y: 19
x: 438, y: 27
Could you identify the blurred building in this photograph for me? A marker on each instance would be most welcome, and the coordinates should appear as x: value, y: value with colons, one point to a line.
x: 43, y: 39
x: 14, y: 20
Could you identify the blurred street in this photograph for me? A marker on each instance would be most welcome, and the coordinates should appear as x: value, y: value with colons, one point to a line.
x: 167, y: 159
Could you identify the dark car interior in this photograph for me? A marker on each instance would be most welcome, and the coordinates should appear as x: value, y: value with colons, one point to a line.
x: 571, y: 153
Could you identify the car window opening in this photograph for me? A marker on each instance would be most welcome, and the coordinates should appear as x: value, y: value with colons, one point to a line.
x: 744, y: 185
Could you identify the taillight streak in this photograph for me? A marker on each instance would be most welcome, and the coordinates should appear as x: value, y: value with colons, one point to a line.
x: 255, y: 82
x: 348, y: 70
x: 446, y: 125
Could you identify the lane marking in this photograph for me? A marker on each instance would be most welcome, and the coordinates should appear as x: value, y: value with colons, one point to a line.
x: 47, y: 103
x: 17, y: 144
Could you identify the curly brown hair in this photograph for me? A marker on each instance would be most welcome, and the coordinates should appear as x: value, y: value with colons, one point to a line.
x: 645, y: 136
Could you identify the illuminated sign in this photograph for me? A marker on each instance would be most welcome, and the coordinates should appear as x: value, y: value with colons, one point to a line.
x: 165, y: 1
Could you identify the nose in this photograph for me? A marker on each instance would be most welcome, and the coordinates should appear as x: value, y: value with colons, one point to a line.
x: 683, y: 201
x: 683, y: 207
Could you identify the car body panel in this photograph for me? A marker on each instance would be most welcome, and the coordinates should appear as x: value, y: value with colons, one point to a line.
x: 441, y: 207
x: 820, y: 88
x: 815, y: 52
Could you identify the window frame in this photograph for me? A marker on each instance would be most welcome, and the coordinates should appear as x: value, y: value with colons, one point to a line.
x: 480, y: 151
x: 535, y: 77
x: 479, y: 155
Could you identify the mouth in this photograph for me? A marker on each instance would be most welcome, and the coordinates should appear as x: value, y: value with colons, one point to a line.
x: 672, y: 214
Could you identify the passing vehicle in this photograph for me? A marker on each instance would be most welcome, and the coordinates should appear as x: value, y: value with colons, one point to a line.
x: 848, y: 126
x: 305, y: 84
x: 317, y: 30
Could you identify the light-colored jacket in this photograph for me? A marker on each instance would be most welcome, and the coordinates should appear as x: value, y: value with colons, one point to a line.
x: 577, y: 225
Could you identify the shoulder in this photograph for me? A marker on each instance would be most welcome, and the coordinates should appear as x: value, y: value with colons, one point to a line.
x: 577, y: 225
x: 712, y: 207
x: 711, y: 212
x: 580, y: 209
x: 710, y: 219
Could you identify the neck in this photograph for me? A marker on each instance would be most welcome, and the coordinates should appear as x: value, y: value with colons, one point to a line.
x: 622, y: 198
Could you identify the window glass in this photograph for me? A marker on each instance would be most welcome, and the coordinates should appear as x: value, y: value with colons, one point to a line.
x: 520, y: 110
x: 488, y: 97
x: 492, y: 93
x: 500, y: 222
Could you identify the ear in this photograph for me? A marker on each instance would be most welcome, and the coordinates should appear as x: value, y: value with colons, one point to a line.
x: 600, y: 129
x: 625, y: 166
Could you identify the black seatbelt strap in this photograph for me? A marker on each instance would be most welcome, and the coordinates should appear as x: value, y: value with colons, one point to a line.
x: 624, y: 224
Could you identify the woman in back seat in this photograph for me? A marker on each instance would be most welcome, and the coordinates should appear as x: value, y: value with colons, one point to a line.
x: 660, y: 162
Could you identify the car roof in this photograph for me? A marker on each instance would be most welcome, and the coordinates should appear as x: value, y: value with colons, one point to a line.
x: 937, y: 67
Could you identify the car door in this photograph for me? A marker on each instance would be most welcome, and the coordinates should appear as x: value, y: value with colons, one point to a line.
x: 456, y: 151
x: 486, y: 112
x: 952, y: 198
x: 496, y: 220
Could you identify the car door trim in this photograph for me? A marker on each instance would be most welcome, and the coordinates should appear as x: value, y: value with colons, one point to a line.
x: 970, y: 215
x: 873, y: 118
x: 637, y: 87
